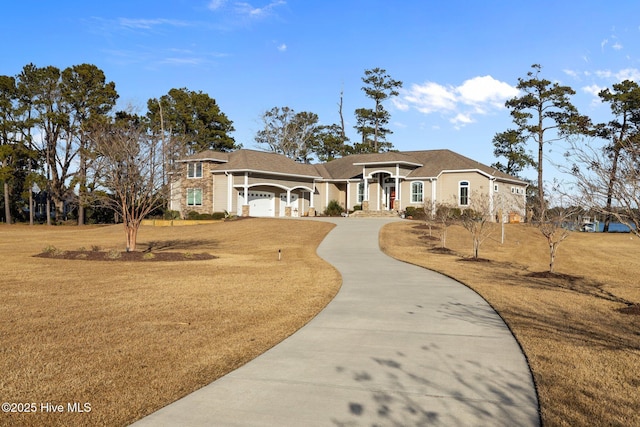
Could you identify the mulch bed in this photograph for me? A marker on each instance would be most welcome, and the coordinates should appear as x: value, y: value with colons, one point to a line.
x: 474, y: 260
x: 550, y: 275
x: 633, y: 309
x: 126, y: 256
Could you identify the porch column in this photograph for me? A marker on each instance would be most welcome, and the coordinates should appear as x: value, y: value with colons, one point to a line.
x: 326, y: 194
x: 396, y: 202
x: 346, y: 205
x: 245, y: 208
x: 229, y: 192
x: 287, y: 209
x: 312, y: 209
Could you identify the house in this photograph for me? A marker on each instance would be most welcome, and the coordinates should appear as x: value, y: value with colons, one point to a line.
x: 256, y: 183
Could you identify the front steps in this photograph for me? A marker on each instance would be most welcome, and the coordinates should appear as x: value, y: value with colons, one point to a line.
x: 375, y: 214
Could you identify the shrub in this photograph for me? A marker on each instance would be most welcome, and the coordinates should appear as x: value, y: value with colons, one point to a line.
x: 171, y: 215
x: 415, y: 213
x: 357, y: 208
x: 148, y: 255
x: 52, y: 251
x: 193, y: 215
x: 113, y: 254
x: 333, y: 208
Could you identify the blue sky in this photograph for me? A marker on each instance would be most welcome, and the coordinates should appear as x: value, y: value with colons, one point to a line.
x: 459, y: 60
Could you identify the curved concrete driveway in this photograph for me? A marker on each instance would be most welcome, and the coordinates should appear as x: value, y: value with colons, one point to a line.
x: 398, y: 346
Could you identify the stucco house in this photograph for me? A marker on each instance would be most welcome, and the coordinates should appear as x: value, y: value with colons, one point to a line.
x: 264, y: 184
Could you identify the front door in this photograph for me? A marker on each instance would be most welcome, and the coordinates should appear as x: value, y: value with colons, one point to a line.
x: 389, y: 195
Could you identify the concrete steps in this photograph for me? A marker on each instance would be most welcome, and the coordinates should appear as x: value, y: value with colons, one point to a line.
x: 375, y: 214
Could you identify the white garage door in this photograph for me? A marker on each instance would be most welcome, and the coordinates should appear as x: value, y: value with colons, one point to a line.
x: 261, y: 203
x: 294, y: 204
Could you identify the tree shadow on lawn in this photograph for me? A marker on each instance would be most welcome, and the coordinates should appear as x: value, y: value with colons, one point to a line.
x: 161, y: 245
x: 612, y: 333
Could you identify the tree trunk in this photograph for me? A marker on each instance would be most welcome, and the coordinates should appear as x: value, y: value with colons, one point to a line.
x: 7, y: 204
x: 612, y: 179
x: 552, y: 255
x: 132, y: 236
x: 541, y: 202
x: 31, y: 205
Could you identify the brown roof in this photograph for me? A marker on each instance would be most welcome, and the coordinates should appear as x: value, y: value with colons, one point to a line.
x: 252, y: 160
x: 426, y: 163
x: 436, y: 161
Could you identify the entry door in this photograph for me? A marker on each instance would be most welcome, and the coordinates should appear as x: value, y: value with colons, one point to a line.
x: 389, y: 195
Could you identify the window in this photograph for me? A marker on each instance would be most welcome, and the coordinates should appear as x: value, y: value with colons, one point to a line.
x: 495, y: 188
x: 463, y: 192
x: 517, y: 190
x: 416, y: 192
x: 194, y: 170
x: 194, y: 196
x: 360, y: 192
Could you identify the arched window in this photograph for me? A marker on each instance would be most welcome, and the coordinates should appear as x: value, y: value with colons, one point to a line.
x: 417, y: 192
x: 463, y: 193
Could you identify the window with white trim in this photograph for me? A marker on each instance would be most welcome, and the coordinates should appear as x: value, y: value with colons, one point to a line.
x: 194, y: 196
x: 463, y: 193
x: 194, y: 170
x: 417, y: 192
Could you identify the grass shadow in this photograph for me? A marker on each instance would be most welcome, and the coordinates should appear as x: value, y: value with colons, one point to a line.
x: 161, y: 245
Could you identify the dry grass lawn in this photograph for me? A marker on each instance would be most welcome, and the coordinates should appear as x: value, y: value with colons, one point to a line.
x: 584, y: 353
x: 131, y: 337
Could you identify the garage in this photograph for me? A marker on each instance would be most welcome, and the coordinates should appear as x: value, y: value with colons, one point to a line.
x: 261, y: 203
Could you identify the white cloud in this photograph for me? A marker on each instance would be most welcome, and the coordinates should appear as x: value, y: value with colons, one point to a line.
x: 617, y: 46
x: 603, y: 43
x: 603, y: 74
x: 216, y: 4
x: 247, y: 9
x: 485, y: 90
x: 462, y: 119
x: 282, y: 47
x: 628, y: 74
x: 592, y: 89
x: 430, y: 97
x: 570, y: 73
x: 476, y: 96
x: 147, y: 24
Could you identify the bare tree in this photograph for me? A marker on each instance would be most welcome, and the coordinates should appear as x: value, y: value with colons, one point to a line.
x: 595, y: 181
x: 128, y: 167
x: 289, y: 133
x: 442, y: 213
x: 554, y: 226
x: 477, y: 219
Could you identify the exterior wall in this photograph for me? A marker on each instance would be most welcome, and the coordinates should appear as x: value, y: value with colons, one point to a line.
x: 405, y: 195
x: 391, y: 169
x: 175, y: 202
x: 328, y: 191
x: 205, y: 183
x: 448, y: 184
x: 220, y: 193
x: 283, y: 182
x: 511, y: 198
